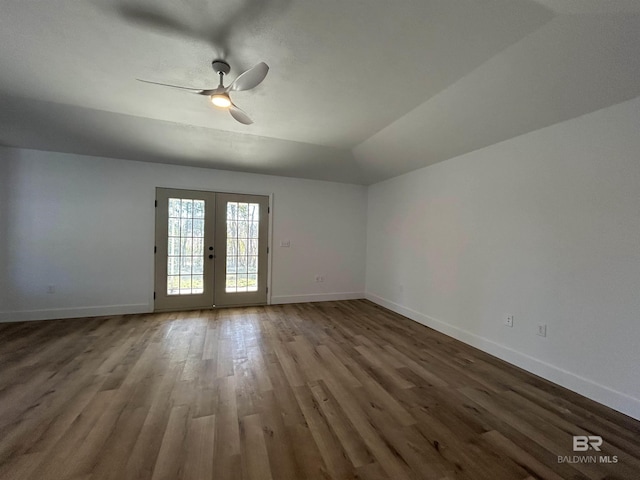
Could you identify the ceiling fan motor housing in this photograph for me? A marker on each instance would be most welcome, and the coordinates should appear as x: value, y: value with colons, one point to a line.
x: 220, y: 66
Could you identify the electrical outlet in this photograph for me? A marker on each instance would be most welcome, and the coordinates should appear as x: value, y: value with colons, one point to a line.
x: 508, y: 320
x: 319, y: 278
x: 51, y: 289
x: 542, y: 329
x: 285, y: 243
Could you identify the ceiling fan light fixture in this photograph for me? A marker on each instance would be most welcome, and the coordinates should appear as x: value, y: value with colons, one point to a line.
x: 221, y: 100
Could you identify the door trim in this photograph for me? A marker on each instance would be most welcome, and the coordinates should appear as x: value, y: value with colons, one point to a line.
x: 270, y: 244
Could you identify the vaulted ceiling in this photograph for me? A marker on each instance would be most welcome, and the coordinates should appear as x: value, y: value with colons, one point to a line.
x: 358, y: 91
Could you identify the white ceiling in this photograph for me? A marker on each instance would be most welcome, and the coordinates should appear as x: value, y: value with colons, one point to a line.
x: 358, y: 91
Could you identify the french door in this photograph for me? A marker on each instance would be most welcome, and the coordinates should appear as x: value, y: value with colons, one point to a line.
x: 211, y: 249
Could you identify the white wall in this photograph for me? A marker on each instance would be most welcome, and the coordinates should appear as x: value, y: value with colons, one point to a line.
x: 546, y: 227
x: 86, y: 225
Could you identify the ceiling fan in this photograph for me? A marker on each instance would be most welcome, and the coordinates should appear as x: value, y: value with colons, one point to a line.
x: 220, y: 95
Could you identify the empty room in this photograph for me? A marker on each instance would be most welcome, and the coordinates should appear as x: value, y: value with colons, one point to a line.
x: 332, y: 240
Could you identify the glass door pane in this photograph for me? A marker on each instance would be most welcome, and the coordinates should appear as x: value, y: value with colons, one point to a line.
x: 185, y: 256
x: 243, y: 235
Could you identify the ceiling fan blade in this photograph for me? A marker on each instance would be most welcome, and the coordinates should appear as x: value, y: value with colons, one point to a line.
x: 199, y: 91
x: 239, y: 115
x: 249, y: 79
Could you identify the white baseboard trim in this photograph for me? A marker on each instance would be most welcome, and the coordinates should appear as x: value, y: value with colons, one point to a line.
x: 74, y: 312
x: 316, y: 297
x: 600, y: 393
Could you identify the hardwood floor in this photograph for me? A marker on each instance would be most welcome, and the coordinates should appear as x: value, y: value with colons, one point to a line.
x: 335, y: 390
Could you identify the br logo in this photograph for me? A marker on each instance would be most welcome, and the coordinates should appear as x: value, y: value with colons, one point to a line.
x: 582, y: 443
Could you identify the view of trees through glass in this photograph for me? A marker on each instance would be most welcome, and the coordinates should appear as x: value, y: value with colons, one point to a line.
x: 242, y: 247
x: 185, y: 260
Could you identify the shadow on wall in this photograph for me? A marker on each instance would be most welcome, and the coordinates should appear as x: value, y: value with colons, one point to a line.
x: 8, y: 165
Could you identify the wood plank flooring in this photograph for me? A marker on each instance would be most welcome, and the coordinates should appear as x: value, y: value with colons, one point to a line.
x: 334, y: 390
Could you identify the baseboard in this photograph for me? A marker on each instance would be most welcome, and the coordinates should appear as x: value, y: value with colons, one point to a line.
x: 317, y: 297
x: 75, y: 312
x: 612, y: 398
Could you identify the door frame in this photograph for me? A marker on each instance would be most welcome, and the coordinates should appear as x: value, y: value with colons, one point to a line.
x: 270, y: 195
